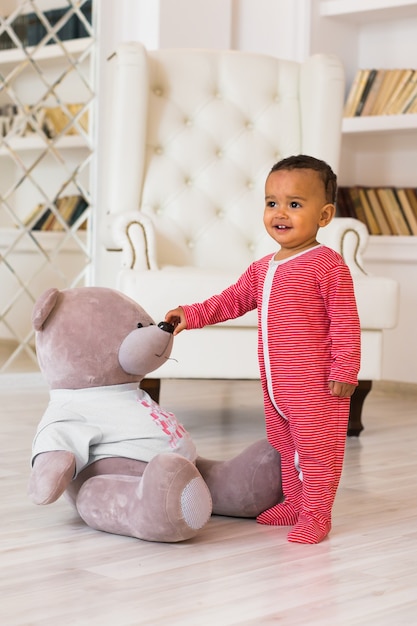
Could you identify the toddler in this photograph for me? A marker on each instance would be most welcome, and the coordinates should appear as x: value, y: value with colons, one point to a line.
x: 308, y: 342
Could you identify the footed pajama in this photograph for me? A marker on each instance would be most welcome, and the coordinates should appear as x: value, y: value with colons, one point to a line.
x: 309, y: 334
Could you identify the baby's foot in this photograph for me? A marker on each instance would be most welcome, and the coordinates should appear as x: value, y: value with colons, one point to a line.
x: 284, y: 514
x: 310, y: 529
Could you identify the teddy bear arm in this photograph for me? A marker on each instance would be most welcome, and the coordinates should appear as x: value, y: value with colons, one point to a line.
x: 51, y: 474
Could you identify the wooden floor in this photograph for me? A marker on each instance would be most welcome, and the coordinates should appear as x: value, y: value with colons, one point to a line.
x: 55, y: 571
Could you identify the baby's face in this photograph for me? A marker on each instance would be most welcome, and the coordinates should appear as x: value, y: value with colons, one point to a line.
x: 295, y: 208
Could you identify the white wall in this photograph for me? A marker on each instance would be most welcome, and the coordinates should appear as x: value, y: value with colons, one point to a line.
x: 167, y: 23
x: 277, y: 27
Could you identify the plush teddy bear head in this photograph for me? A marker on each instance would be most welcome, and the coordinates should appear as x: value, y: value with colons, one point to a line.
x: 95, y: 336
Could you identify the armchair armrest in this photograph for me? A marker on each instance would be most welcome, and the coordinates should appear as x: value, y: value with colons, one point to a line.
x: 349, y: 237
x: 133, y: 233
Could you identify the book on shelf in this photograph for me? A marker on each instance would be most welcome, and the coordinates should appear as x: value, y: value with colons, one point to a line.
x: 365, y: 92
x: 44, y: 216
x: 355, y: 92
x: 30, y: 29
x: 357, y: 207
x: 378, y: 211
x: 407, y: 97
x: 56, y: 120
x: 405, y: 205
x: 47, y: 221
x: 391, y: 107
x: 66, y: 207
x: 69, y: 209
x: 384, y: 210
x: 33, y: 216
x: 393, y: 210
x: 388, y: 86
x: 370, y: 217
x: 79, y: 211
x: 61, y: 215
x: 382, y: 92
x: 343, y: 203
x: 411, y: 194
x: 373, y: 92
x: 413, y: 106
x: 396, y: 226
x: 25, y: 120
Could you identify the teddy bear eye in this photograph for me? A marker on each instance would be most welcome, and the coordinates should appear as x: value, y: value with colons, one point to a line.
x: 140, y: 325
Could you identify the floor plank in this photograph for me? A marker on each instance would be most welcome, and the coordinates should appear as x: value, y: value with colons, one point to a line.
x: 55, y: 570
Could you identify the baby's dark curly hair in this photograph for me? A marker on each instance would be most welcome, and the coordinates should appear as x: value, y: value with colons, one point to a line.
x: 305, y: 162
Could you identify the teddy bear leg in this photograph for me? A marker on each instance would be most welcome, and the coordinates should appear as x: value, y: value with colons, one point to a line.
x: 51, y: 474
x: 246, y: 485
x: 170, y: 502
x: 108, y: 465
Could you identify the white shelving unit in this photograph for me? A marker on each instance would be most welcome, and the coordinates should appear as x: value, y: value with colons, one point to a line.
x: 51, y: 52
x: 378, y: 150
x: 27, y: 144
x: 380, y: 124
x: 34, y: 169
x: 367, y: 10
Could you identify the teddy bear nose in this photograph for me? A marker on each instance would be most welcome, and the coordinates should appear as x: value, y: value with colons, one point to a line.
x: 168, y: 328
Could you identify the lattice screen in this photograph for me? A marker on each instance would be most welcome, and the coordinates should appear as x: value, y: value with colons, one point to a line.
x: 46, y: 152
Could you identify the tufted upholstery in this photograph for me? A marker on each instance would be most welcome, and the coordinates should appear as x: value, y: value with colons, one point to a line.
x: 194, y: 134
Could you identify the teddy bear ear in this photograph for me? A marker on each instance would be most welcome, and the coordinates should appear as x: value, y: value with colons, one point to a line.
x: 43, y: 307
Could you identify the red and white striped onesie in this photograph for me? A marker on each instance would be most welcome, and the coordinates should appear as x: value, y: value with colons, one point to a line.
x: 308, y: 334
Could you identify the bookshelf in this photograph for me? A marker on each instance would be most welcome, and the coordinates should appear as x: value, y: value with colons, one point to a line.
x: 380, y: 124
x: 46, y: 156
x: 51, y: 52
x: 371, y: 34
x: 384, y: 210
x: 367, y: 10
x: 378, y: 150
x: 35, y: 143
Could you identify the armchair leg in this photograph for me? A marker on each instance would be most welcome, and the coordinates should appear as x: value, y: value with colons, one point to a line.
x: 152, y: 386
x: 355, y: 425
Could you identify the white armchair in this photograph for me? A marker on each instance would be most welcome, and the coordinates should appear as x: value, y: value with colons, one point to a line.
x: 194, y: 134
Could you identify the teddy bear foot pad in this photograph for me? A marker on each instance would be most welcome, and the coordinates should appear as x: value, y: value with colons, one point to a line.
x: 172, y: 509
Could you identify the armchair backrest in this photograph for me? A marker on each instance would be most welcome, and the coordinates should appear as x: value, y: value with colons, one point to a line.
x: 194, y: 135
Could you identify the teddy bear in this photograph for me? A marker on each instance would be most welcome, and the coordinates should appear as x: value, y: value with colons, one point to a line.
x: 127, y: 465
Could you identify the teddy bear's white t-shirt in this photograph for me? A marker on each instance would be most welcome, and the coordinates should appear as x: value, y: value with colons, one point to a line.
x: 112, y: 421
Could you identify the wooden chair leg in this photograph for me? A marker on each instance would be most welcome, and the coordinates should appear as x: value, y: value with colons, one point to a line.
x: 355, y: 425
x: 152, y: 386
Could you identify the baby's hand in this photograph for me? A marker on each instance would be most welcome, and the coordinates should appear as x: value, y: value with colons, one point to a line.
x: 342, y: 390
x: 176, y: 317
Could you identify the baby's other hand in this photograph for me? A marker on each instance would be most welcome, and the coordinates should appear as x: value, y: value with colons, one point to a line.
x: 176, y: 317
x: 341, y: 390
